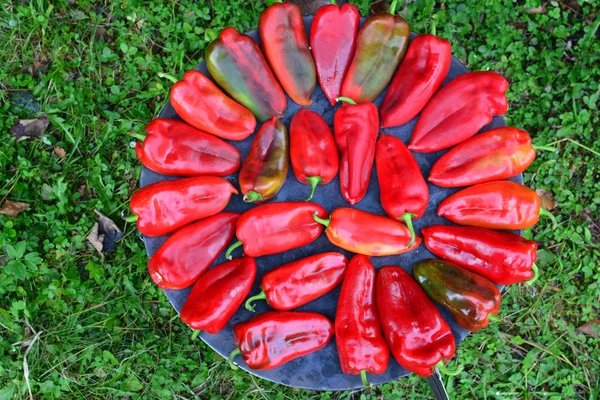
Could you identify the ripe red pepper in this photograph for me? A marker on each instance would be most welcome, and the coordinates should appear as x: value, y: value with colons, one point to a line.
x: 333, y: 40
x: 501, y: 257
x: 418, y: 336
x: 271, y: 339
x: 300, y: 282
x: 365, y: 233
x: 200, y: 103
x: 472, y: 299
x: 266, y: 166
x: 277, y: 227
x: 420, y: 75
x: 494, y: 205
x: 166, y: 206
x: 187, y: 253
x: 218, y: 294
x: 355, y: 128
x: 402, y: 188
x: 459, y: 110
x: 360, y: 342
x: 283, y: 36
x: 314, y: 155
x: 235, y: 61
x: 175, y: 148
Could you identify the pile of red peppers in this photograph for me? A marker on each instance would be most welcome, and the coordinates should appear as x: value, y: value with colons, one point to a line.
x: 379, y: 312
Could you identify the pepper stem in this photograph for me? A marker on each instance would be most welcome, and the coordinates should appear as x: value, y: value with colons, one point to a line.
x: 232, y: 248
x: 137, y: 136
x: 252, y: 196
x: 434, y: 24
x: 195, y: 334
x: 168, y: 76
x: 536, y: 275
x: 546, y: 213
x: 321, y: 220
x: 261, y: 296
x: 393, y: 7
x: 346, y: 100
x: 407, y: 217
x: 494, y: 318
x: 363, y: 378
x: 332, y: 2
x: 232, y: 355
x: 544, y: 148
x: 448, y: 371
x: 131, y: 218
x: 314, y: 181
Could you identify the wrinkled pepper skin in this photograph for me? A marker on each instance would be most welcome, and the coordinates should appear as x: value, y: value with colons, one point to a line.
x: 333, y: 41
x: 420, y: 75
x: 459, y: 110
x: 364, y: 233
x: 297, y: 283
x: 187, y: 253
x: 469, y: 297
x: 266, y: 166
x: 200, y: 103
x: 355, y: 128
x: 416, y: 332
x: 218, y: 294
x: 381, y: 45
x: 283, y: 37
x: 235, y: 61
x: 493, y: 205
x: 271, y: 339
x: 502, y: 257
x: 360, y: 342
x: 174, y: 148
x: 497, y: 154
x: 313, y: 152
x: 166, y: 206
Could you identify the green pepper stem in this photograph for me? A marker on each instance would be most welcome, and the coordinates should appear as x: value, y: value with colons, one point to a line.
x: 544, y: 148
x: 536, y: 275
x: 261, y: 296
x: 252, y: 196
x: 232, y: 248
x: 137, y: 136
x: 232, y: 355
x: 434, y: 24
x: 363, y: 378
x: 346, y: 100
x: 546, y: 213
x: 494, y: 318
x: 332, y: 2
x: 393, y: 7
x: 313, y: 181
x: 407, y: 217
x: 195, y: 334
x: 168, y: 76
x: 131, y: 218
x: 321, y: 220
x: 448, y: 371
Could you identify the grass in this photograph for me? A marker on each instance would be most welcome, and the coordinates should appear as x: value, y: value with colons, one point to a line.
x: 96, y: 327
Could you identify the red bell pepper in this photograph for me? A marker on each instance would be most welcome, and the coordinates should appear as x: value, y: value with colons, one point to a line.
x: 283, y: 36
x: 314, y: 155
x: 166, y: 206
x: 418, y: 336
x: 200, y: 103
x: 402, y: 188
x: 218, y: 294
x: 355, y: 128
x: 501, y: 257
x: 459, y: 110
x: 271, y: 339
x: 266, y: 166
x: 277, y: 227
x: 174, y: 148
x: 360, y: 342
x: 333, y: 40
x: 472, y: 299
x: 365, y: 233
x: 420, y: 75
x: 494, y: 205
x: 187, y: 253
x: 300, y: 282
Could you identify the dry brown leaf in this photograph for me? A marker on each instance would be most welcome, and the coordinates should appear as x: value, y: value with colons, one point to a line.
x: 591, y: 328
x: 536, y: 10
x: 60, y: 152
x: 30, y: 128
x: 13, y: 208
x: 96, y: 238
x: 547, y: 197
x: 104, y: 234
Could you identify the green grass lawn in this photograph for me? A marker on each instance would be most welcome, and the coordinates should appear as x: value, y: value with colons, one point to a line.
x: 92, y: 326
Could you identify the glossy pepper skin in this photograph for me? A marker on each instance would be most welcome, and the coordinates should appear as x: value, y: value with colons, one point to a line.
x: 418, y: 336
x: 271, y: 339
x: 360, y: 342
x: 235, y: 61
x: 333, y: 41
x: 355, y: 128
x: 277, y: 227
x: 313, y: 153
x: 218, y: 294
x: 365, y: 233
x: 174, y: 148
x: 459, y: 110
x: 402, y: 189
x: 470, y: 298
x: 502, y: 257
x: 283, y: 36
x: 266, y: 166
x: 420, y: 75
x: 200, y: 103
x: 166, y: 206
x: 302, y: 281
x: 187, y: 253
x: 497, y: 154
